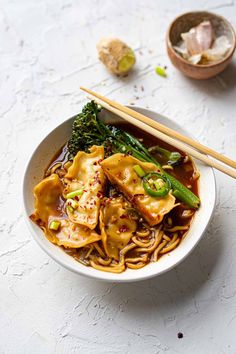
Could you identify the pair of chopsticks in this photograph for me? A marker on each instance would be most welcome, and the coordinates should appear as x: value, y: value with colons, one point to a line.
x: 170, y: 136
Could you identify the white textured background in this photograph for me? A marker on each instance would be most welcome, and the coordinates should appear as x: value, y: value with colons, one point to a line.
x: 47, y: 49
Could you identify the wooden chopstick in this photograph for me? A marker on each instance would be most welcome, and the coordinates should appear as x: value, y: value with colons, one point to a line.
x: 166, y: 138
x: 166, y: 130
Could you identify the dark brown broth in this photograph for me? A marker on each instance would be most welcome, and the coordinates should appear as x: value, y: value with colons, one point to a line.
x: 61, y: 156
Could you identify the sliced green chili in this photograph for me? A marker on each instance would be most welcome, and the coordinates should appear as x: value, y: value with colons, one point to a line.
x: 156, y: 185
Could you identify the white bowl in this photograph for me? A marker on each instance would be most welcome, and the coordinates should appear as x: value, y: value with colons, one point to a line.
x: 34, y: 173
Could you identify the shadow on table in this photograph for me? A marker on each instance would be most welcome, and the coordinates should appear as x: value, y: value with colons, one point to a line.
x: 220, y: 85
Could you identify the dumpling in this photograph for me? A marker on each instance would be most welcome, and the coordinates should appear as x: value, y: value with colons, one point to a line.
x: 71, y: 235
x: 48, y: 194
x: 117, y: 226
x: 49, y: 208
x: 86, y: 176
x: 119, y: 170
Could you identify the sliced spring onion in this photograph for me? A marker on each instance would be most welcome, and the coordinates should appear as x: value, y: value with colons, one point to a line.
x: 74, y: 193
x: 70, y: 209
x: 73, y: 203
x: 140, y: 172
x: 54, y: 225
x: 160, y: 71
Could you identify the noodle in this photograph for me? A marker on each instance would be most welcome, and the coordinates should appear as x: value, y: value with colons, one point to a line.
x: 158, y: 237
x: 124, y: 251
x: 175, y: 236
x: 170, y: 247
x: 116, y: 269
x: 100, y: 251
x: 103, y: 261
x: 137, y: 259
x: 143, y: 233
x: 177, y: 228
x: 158, y: 249
x: 166, y: 238
x: 82, y: 261
x: 89, y: 252
x: 67, y: 165
x: 55, y: 167
x: 135, y: 266
x: 140, y: 243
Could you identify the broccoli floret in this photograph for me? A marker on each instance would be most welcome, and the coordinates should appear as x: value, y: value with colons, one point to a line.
x: 86, y: 130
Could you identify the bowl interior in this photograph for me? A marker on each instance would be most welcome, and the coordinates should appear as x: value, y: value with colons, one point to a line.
x: 186, y: 21
x: 34, y: 173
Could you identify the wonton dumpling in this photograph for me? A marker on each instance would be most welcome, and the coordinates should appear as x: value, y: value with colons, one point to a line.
x: 117, y: 227
x: 47, y: 195
x: 119, y: 170
x: 72, y: 235
x: 86, y: 173
x: 48, y: 207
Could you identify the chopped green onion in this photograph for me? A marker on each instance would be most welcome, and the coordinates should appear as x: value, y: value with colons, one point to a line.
x: 74, y: 193
x: 72, y: 203
x: 140, y: 172
x: 70, y: 209
x: 160, y: 71
x: 54, y: 225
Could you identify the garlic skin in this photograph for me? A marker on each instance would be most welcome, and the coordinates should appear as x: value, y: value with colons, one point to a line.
x: 116, y: 55
x: 199, y: 38
x: 205, y: 35
x: 199, y: 45
x: 218, y: 50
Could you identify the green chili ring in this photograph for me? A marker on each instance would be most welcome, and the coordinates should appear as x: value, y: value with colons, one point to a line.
x: 152, y: 188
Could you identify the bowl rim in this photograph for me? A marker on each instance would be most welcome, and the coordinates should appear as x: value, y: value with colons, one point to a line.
x: 205, y: 66
x: 100, y: 275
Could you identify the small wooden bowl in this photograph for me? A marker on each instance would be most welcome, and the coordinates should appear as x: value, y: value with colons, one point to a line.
x: 183, y: 24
